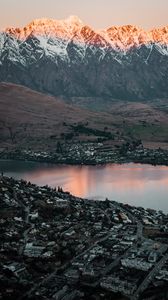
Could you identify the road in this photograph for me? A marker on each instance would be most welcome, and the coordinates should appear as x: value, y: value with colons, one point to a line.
x: 133, y: 218
x: 149, y: 277
x: 26, y: 209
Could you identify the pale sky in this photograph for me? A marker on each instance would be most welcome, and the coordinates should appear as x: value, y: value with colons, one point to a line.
x: 96, y: 13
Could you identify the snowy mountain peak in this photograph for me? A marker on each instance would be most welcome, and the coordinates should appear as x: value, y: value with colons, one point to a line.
x: 67, y: 57
x: 73, y: 29
x: 48, y: 28
x: 128, y: 36
x: 160, y: 35
x: 74, y: 20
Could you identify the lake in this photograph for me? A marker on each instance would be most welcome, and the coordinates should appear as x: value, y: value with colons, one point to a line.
x: 135, y: 184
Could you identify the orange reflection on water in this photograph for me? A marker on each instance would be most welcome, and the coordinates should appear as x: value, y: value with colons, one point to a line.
x: 83, y: 180
x: 76, y: 180
x: 139, y: 185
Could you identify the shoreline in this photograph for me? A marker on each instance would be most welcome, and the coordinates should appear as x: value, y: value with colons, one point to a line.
x: 85, y: 163
x: 90, y: 154
x: 52, y: 172
x: 66, y: 193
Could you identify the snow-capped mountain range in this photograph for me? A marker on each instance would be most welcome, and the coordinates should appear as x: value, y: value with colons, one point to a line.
x: 67, y: 57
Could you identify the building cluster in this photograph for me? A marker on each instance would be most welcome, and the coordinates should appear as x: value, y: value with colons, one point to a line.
x: 92, y: 153
x: 56, y: 246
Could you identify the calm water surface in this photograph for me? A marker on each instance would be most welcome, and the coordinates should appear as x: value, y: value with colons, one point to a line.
x: 139, y: 185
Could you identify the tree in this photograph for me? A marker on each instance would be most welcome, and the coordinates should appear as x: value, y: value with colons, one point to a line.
x: 59, y: 147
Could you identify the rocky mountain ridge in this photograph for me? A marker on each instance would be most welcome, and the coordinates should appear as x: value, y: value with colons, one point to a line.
x: 67, y: 57
x: 121, y: 37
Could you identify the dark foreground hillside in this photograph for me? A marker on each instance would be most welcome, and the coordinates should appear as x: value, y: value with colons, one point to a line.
x: 56, y: 246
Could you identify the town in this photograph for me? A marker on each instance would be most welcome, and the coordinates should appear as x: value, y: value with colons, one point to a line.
x: 91, y: 154
x: 57, y: 246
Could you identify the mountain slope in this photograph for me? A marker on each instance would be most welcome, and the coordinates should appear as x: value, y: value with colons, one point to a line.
x: 31, y: 119
x: 67, y: 57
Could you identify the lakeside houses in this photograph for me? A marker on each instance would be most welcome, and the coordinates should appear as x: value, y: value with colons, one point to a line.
x: 92, y: 154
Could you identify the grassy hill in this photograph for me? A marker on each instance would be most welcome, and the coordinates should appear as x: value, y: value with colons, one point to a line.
x: 30, y: 119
